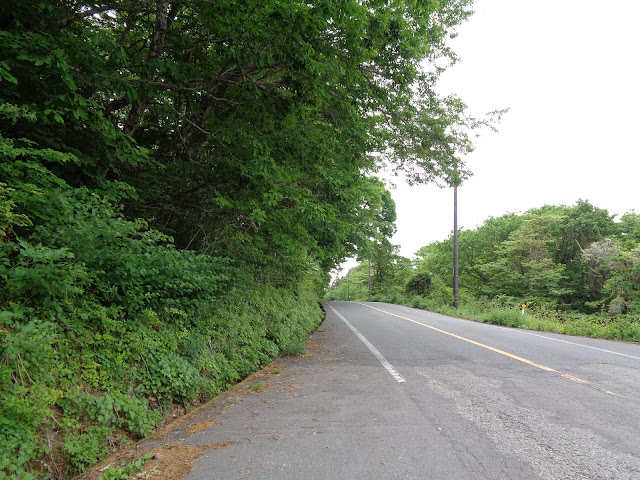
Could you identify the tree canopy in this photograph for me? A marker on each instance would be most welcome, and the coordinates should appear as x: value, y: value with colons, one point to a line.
x: 240, y: 126
x: 574, y: 257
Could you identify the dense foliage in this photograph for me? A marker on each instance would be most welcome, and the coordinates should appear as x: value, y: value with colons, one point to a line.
x: 177, y: 178
x: 577, y: 265
x: 575, y: 258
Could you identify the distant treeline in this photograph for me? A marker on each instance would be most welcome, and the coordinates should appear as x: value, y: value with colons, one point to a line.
x: 558, y: 260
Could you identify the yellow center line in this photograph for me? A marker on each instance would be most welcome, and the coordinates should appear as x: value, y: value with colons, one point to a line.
x: 496, y: 350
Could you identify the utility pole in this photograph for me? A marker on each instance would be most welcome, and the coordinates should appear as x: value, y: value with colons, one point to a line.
x: 369, y: 282
x: 455, y: 246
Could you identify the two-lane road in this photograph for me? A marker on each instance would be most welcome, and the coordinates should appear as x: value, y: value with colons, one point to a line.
x: 567, y: 407
x: 394, y: 392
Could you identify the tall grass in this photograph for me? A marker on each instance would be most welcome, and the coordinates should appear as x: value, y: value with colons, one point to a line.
x: 508, y: 312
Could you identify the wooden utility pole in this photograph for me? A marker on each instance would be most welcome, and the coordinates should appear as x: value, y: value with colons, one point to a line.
x: 455, y: 246
x: 369, y: 282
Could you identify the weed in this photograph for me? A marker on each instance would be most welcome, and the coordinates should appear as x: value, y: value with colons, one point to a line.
x: 123, y: 473
x: 295, y: 348
x: 87, y: 448
x: 509, y: 317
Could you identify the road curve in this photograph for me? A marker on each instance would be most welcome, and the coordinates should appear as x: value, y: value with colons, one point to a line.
x: 393, y: 392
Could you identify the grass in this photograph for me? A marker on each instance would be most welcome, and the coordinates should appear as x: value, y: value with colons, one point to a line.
x: 294, y: 348
x: 624, y: 328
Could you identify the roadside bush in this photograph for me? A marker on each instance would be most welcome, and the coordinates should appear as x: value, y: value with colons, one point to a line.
x: 28, y: 358
x: 419, y: 284
x: 629, y: 329
x: 418, y: 302
x: 112, y: 410
x: 294, y: 348
x: 540, y: 315
x: 100, y: 315
x: 124, y: 473
x: 169, y: 378
x: 509, y: 317
x: 86, y: 448
x: 440, y: 293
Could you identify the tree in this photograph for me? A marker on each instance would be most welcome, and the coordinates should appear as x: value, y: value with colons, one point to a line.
x: 614, y: 276
x: 583, y: 224
x: 245, y: 131
x: 524, y: 266
x: 419, y: 284
x: 476, y: 248
x: 628, y: 230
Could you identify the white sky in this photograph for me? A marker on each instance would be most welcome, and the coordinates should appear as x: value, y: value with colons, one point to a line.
x: 569, y: 71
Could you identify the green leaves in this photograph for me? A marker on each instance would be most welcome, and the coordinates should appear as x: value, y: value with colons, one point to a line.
x: 87, y: 448
x: 5, y: 75
x: 43, y: 274
x: 614, y: 276
x: 524, y: 267
x: 576, y: 257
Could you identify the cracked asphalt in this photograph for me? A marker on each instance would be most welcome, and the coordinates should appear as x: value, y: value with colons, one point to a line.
x: 477, y: 402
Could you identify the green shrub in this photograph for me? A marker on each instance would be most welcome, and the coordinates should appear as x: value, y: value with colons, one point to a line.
x: 294, y: 348
x: 117, y: 410
x: 419, y: 284
x: 418, y: 302
x: 101, y: 314
x: 169, y: 378
x: 440, y: 293
x: 23, y: 414
x: 87, y: 448
x: 629, y: 329
x: 217, y: 368
x: 509, y: 317
x: 123, y: 473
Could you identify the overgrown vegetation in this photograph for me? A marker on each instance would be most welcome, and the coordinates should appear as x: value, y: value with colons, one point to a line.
x: 576, y: 268
x: 176, y: 181
x: 123, y: 473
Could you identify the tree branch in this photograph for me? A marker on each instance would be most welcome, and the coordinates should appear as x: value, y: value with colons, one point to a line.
x: 155, y: 49
x: 123, y: 6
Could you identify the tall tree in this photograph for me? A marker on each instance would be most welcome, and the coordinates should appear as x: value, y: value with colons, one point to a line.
x: 243, y: 126
x: 614, y: 276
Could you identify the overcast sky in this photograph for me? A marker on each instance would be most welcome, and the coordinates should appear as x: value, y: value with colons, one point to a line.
x: 568, y: 70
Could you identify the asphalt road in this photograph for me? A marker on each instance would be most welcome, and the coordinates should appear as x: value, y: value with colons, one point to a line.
x: 392, y: 392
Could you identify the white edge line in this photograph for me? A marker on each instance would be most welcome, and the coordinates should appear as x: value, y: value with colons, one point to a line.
x: 385, y: 363
x: 526, y: 332
x: 573, y: 343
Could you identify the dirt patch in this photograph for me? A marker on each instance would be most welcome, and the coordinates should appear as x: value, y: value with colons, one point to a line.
x: 175, y: 462
x: 177, y: 417
x: 289, y: 386
x: 272, y: 369
x: 254, y: 388
x: 169, y: 462
x: 333, y: 359
x: 175, y: 412
x: 200, y: 426
x: 313, y: 347
x: 252, y: 383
